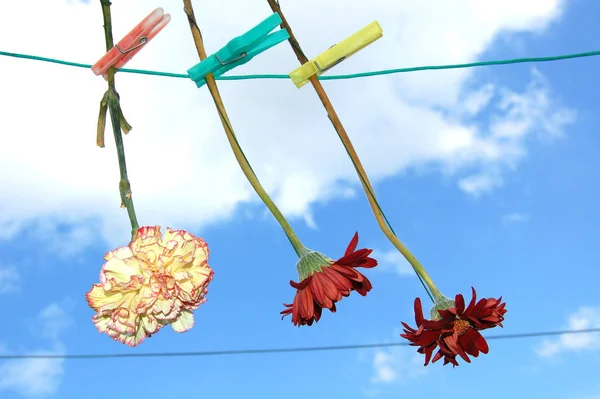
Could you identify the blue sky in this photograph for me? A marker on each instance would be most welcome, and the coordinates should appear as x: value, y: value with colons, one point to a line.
x: 513, y: 212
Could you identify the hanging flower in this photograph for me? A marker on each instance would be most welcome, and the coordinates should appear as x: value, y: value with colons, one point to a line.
x: 152, y: 282
x: 323, y: 282
x: 454, y: 329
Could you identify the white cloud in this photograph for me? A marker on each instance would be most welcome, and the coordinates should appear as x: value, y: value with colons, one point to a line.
x: 393, y: 261
x: 476, y: 101
x: 517, y: 116
x: 584, y: 318
x: 9, y: 280
x: 39, y: 377
x: 181, y: 168
x: 396, y: 365
x: 32, y: 377
x: 383, y: 370
x: 479, y: 183
x: 515, y: 217
x: 67, y: 239
x: 521, y: 112
x: 54, y: 319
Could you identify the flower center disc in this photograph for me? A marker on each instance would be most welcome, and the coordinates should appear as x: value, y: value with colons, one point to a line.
x: 461, y: 326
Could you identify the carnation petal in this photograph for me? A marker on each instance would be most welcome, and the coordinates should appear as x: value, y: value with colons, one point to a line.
x: 150, y: 324
x: 121, y: 269
x: 145, y: 236
x: 184, y: 321
x: 119, y: 253
x: 98, y: 298
x: 149, y: 284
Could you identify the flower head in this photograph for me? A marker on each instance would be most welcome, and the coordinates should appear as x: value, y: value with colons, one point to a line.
x: 455, y: 330
x: 152, y: 282
x: 323, y: 282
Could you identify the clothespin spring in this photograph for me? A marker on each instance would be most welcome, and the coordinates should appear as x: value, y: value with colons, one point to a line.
x: 143, y: 41
x: 330, y: 66
x: 239, y: 57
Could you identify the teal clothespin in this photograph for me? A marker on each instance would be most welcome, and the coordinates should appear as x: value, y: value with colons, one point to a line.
x: 240, y: 50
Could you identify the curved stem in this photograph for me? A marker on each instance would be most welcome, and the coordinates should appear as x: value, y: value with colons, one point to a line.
x: 111, y: 100
x: 235, y: 146
x: 385, y: 227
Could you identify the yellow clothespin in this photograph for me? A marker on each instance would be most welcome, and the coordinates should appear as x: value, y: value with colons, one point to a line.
x: 336, y: 54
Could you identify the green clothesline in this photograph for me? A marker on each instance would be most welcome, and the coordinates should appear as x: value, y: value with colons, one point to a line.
x: 327, y: 77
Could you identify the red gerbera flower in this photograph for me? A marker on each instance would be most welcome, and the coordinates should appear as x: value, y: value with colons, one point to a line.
x: 323, y: 282
x: 455, y: 330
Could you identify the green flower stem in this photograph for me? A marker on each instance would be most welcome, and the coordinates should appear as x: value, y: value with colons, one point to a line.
x: 235, y: 146
x: 433, y: 292
x: 111, y: 101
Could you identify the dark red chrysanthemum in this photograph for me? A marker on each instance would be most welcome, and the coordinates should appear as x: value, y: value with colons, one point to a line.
x: 456, y: 332
x: 325, y: 282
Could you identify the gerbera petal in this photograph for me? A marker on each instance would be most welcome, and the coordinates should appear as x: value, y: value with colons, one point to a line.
x: 317, y: 288
x: 318, y: 312
x: 357, y: 255
x: 368, y: 263
x: 329, y: 288
x: 364, y: 287
x: 352, y: 245
x: 460, y: 304
x: 479, y: 342
x: 473, y: 299
x: 340, y: 281
x: 288, y: 311
x: 302, y: 284
x: 307, y: 303
x: 468, y: 342
x: 437, y: 357
x: 428, y: 352
x: 324, y: 291
x: 418, y: 312
x: 345, y: 271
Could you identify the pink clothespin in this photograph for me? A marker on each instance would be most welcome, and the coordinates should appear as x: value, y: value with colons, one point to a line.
x: 129, y: 46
